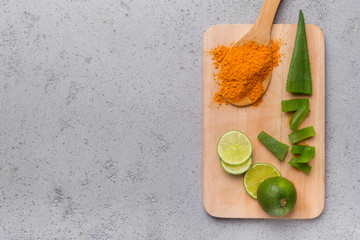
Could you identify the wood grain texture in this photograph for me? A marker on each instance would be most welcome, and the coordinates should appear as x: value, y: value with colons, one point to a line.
x: 223, y: 194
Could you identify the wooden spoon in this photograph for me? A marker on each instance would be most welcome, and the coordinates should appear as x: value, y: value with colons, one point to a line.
x: 261, y: 34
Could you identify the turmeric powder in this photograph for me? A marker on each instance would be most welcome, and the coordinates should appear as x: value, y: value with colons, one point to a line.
x: 218, y: 54
x: 219, y: 99
x: 243, y: 70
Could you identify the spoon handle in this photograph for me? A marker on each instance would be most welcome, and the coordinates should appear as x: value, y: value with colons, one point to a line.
x: 266, y: 17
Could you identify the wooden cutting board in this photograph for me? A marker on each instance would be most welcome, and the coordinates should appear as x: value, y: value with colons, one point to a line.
x: 223, y: 194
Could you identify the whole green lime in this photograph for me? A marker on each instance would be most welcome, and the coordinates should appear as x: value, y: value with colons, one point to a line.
x: 276, y: 196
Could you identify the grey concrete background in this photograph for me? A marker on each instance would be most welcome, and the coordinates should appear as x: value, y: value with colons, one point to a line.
x: 101, y: 120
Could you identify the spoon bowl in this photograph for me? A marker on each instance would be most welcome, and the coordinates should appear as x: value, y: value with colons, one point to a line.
x: 261, y: 34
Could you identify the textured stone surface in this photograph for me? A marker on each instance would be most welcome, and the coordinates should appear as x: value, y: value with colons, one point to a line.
x: 101, y: 120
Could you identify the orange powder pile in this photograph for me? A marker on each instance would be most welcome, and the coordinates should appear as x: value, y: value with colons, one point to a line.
x: 219, y: 99
x: 243, y: 70
x: 218, y: 54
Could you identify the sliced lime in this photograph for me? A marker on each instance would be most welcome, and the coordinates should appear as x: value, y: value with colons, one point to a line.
x: 234, y: 148
x: 237, y: 169
x: 258, y: 173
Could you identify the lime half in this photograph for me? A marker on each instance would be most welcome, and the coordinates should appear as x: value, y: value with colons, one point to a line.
x: 258, y: 173
x: 237, y: 169
x: 234, y: 148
